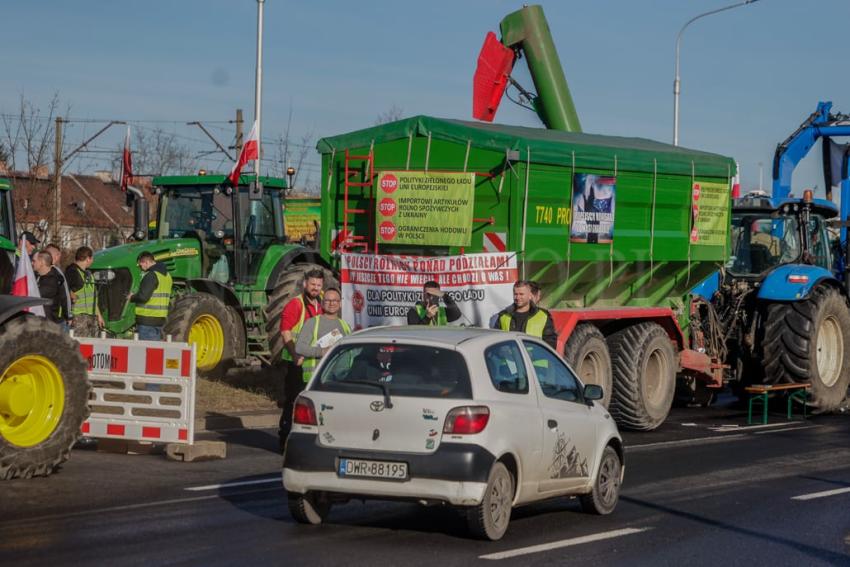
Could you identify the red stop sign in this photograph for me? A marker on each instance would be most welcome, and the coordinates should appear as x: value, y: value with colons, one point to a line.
x: 389, y: 183
x: 358, y: 301
x: 387, y: 230
x: 387, y: 207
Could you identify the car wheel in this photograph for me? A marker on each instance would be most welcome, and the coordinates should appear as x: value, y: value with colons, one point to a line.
x: 310, y: 508
x: 490, y: 519
x: 606, y: 488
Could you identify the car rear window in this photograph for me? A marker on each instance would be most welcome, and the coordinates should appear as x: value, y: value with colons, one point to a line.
x: 408, y: 370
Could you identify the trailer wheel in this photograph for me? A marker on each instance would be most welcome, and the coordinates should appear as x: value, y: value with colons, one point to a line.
x: 644, y: 369
x: 809, y: 341
x: 44, y: 393
x: 203, y: 319
x: 289, y: 284
x: 587, y: 352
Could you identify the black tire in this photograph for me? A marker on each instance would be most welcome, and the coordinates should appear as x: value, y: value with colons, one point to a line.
x: 310, y: 508
x: 644, y: 364
x: 587, y: 353
x: 35, y: 336
x: 794, y: 335
x: 289, y: 284
x: 490, y: 519
x: 606, y: 487
x: 187, y: 310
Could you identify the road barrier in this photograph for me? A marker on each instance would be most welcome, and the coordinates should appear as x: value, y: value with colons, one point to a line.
x: 141, y: 390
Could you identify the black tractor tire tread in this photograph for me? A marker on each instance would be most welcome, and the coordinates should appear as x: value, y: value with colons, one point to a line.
x: 187, y: 308
x: 289, y: 284
x: 789, y: 347
x: 588, y: 335
x: 27, y: 335
x: 627, y: 349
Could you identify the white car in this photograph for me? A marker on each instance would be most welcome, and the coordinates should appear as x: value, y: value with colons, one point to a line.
x: 479, y: 419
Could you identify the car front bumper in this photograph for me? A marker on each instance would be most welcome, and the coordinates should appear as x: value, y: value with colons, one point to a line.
x: 456, y: 473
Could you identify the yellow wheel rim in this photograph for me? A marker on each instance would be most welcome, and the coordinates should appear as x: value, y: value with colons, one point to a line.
x: 208, y: 336
x: 32, y: 399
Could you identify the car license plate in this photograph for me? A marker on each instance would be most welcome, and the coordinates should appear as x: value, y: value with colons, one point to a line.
x: 372, y: 469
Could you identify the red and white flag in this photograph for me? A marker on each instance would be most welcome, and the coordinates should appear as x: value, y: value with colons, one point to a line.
x: 25, y: 285
x: 250, y: 151
x: 126, y: 163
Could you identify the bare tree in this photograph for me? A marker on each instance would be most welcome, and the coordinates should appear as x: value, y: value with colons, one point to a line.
x: 157, y: 152
x: 293, y: 154
x: 392, y: 114
x: 29, y: 134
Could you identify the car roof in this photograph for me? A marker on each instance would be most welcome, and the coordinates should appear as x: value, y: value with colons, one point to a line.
x: 449, y: 336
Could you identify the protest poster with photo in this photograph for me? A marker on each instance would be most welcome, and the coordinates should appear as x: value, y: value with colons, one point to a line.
x: 379, y: 289
x: 593, y: 208
x: 425, y: 208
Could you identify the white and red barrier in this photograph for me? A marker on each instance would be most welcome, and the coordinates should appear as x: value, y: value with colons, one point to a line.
x: 141, y: 390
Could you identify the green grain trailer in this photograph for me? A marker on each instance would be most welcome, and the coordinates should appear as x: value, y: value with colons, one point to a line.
x: 620, y: 299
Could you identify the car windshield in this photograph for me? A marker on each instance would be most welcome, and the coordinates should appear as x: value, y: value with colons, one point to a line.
x: 408, y: 370
x: 760, y: 243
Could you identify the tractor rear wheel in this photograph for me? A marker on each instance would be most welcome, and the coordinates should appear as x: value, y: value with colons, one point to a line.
x: 809, y: 341
x: 587, y: 352
x: 205, y: 320
x: 44, y: 393
x: 644, y: 364
x: 290, y: 283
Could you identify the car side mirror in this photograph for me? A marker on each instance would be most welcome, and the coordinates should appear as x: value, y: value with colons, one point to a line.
x: 593, y: 392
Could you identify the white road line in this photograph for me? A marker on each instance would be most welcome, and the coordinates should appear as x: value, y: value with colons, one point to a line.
x: 789, y: 429
x: 234, y: 484
x: 724, y: 428
x: 686, y: 442
x: 563, y: 543
x: 823, y: 494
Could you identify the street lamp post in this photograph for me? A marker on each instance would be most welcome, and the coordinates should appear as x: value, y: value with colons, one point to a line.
x: 676, y: 81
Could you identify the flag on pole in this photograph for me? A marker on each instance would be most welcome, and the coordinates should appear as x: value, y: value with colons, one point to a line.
x: 25, y: 285
x: 126, y: 163
x: 250, y: 151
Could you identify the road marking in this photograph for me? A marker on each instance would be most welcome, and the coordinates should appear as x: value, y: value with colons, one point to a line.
x: 823, y: 494
x: 234, y: 484
x: 563, y: 543
x: 686, y: 442
x: 790, y: 428
x: 724, y: 428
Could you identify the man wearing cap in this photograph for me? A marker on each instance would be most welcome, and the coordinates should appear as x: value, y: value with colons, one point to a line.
x: 429, y: 311
x: 30, y: 241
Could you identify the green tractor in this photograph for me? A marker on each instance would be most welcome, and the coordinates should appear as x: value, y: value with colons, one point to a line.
x: 44, y: 387
x: 232, y: 267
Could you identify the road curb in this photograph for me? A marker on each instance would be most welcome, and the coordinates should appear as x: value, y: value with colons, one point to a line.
x: 263, y: 419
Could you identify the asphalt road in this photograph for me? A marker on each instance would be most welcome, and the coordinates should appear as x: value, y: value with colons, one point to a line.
x: 703, y: 490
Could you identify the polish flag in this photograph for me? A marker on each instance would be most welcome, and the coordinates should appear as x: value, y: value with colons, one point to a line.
x: 25, y: 285
x: 126, y: 163
x: 250, y: 151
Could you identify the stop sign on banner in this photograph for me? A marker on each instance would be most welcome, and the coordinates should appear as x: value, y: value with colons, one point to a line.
x: 387, y: 230
x: 387, y: 207
x: 389, y: 183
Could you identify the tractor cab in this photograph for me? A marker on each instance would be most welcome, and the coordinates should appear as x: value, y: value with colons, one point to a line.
x: 7, y: 238
x: 233, y: 226
x: 765, y: 237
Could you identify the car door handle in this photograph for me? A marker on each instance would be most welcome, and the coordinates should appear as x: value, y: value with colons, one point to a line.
x: 552, y: 424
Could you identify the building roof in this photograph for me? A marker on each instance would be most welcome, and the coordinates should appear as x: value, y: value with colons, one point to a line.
x: 87, y: 201
x: 540, y: 145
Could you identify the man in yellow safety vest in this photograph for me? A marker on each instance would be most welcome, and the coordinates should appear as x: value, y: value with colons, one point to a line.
x: 153, y: 297
x: 524, y: 316
x: 87, y: 318
x: 321, y: 332
x: 298, y: 310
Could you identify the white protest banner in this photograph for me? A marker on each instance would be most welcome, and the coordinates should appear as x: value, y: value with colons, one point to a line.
x: 379, y: 289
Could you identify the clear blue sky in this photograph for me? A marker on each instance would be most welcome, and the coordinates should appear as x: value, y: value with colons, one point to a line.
x: 749, y: 75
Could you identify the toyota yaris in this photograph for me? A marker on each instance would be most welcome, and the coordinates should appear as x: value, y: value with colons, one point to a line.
x: 478, y: 419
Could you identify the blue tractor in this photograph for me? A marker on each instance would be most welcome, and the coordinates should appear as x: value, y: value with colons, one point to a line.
x: 778, y: 311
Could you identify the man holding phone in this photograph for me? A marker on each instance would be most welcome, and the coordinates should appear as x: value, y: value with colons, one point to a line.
x: 436, y: 307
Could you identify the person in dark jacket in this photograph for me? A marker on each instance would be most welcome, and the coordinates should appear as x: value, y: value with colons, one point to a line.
x: 524, y: 316
x: 49, y: 285
x: 429, y: 311
x: 152, y: 299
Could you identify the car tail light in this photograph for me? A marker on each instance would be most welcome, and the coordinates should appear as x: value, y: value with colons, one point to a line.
x: 467, y: 420
x: 304, y: 412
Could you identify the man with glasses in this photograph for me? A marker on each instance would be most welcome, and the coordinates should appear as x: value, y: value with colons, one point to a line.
x: 320, y: 333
